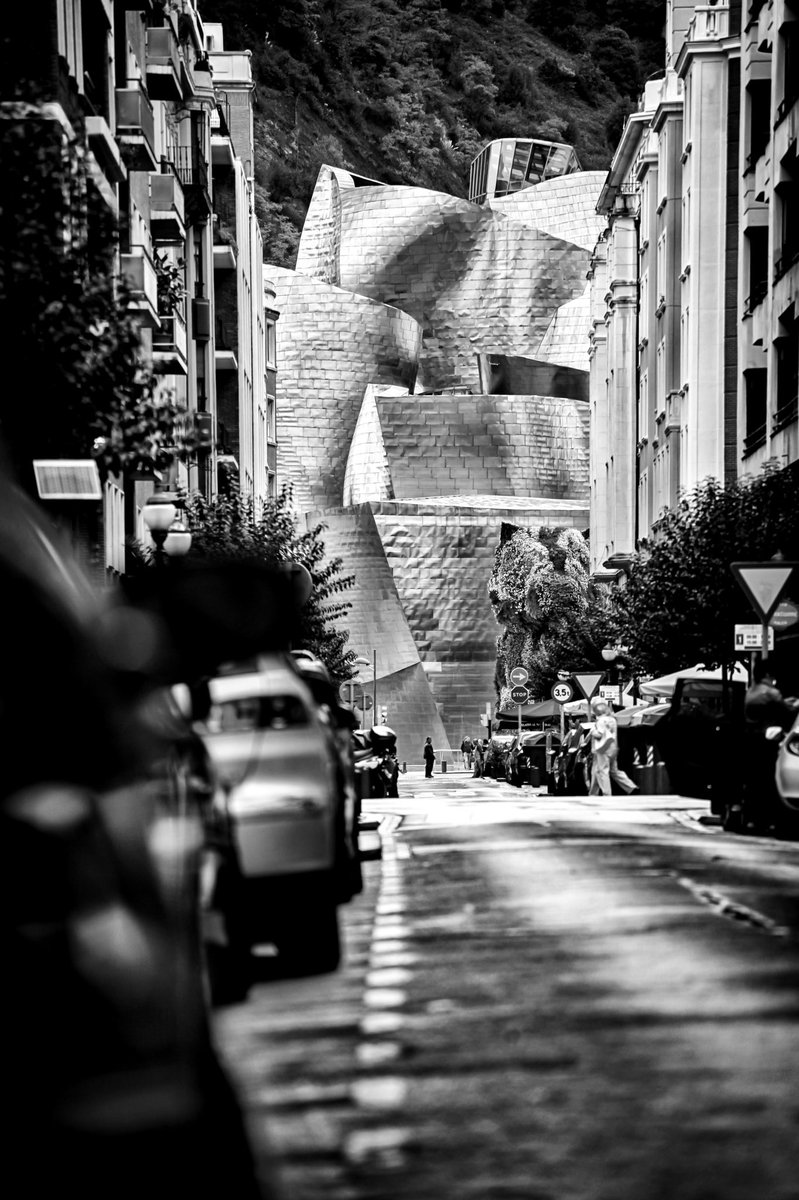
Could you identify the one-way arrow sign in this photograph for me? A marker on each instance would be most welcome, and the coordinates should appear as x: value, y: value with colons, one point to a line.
x: 763, y: 583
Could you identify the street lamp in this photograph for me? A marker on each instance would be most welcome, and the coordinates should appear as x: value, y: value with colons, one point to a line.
x: 171, y: 538
x: 610, y: 654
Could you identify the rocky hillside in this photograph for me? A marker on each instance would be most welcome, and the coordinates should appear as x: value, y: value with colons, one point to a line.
x: 407, y: 91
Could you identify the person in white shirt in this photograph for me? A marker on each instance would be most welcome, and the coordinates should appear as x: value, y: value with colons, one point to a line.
x: 605, y: 750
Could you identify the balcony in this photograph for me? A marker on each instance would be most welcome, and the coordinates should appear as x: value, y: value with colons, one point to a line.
x: 103, y: 146
x: 224, y: 256
x: 138, y: 271
x: 710, y: 23
x: 190, y: 168
x: 224, y: 352
x: 136, y: 129
x: 170, y: 346
x: 162, y: 64
x: 167, y: 210
x: 203, y: 79
x: 754, y: 440
x: 756, y: 296
x: 763, y: 177
x: 785, y: 415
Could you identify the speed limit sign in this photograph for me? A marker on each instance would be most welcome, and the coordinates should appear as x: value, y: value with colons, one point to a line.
x: 562, y: 692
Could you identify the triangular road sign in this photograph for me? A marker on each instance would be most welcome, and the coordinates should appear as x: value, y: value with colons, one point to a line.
x: 588, y: 682
x: 763, y: 583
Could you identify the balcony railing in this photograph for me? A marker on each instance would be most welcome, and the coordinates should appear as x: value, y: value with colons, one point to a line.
x: 170, y: 345
x: 138, y: 271
x: 786, y: 414
x: 754, y: 440
x: 189, y: 167
x: 136, y: 128
x: 789, y: 256
x: 785, y: 105
x: 163, y: 64
x: 756, y: 296
x: 167, y: 210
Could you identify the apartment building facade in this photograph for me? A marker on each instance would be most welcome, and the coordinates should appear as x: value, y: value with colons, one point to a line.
x: 693, y: 336
x: 146, y: 92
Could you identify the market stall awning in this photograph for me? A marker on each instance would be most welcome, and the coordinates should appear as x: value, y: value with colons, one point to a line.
x: 664, y: 686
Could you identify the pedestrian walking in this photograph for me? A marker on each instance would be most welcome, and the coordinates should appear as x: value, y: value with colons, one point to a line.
x: 467, y: 750
x: 764, y: 706
x: 429, y: 758
x: 479, y: 759
x: 605, y: 749
x: 568, y: 757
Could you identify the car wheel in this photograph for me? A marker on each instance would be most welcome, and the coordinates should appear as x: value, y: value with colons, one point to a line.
x: 308, y: 940
x: 226, y: 947
x: 228, y: 973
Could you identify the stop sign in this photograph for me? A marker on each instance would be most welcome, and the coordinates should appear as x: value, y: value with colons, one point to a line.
x: 519, y: 695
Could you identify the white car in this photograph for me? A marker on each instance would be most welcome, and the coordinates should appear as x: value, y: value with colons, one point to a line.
x: 277, y: 763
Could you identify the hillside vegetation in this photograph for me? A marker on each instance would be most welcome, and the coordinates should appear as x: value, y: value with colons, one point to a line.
x: 408, y: 91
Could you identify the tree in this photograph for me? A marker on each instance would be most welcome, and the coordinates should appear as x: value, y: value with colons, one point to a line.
x: 233, y: 527
x: 681, y: 601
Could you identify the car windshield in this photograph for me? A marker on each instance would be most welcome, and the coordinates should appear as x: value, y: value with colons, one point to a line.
x: 258, y: 712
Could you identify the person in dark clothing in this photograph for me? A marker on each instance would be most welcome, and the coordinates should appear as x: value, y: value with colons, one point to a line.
x: 764, y: 707
x: 429, y: 758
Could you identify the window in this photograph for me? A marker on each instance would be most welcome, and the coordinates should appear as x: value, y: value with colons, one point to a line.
x: 787, y: 373
x: 757, y: 240
x: 756, y: 401
x: 249, y: 713
x: 759, y: 104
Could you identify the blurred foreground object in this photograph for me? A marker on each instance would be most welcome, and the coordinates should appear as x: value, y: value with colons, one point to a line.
x: 115, y: 1085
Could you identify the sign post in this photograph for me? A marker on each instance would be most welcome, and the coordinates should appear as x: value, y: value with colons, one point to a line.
x: 562, y: 694
x: 763, y: 583
x: 519, y: 695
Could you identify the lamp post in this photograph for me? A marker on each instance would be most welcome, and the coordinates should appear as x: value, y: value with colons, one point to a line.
x: 362, y: 662
x: 610, y: 654
x: 171, y: 538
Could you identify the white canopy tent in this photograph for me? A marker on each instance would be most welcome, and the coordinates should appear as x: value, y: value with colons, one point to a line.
x: 664, y: 686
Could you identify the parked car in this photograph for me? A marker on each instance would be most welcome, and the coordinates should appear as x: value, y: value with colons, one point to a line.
x: 787, y: 778
x: 108, y: 1058
x: 699, y: 740
x: 293, y: 826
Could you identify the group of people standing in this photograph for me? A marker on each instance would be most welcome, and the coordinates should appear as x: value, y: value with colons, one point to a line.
x: 587, y: 760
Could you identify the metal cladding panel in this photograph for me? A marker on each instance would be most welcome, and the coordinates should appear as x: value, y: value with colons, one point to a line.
x: 329, y: 344
x: 564, y: 207
x: 457, y: 268
x: 534, y: 446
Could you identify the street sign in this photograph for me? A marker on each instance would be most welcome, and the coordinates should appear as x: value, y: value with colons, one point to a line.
x: 519, y: 695
x: 562, y: 692
x: 519, y: 675
x: 763, y: 583
x: 564, y: 676
x: 785, y: 614
x: 750, y: 637
x: 588, y: 682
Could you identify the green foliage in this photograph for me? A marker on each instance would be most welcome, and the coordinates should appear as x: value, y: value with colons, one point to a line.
x: 682, y: 600
x: 86, y: 390
x: 615, y: 54
x: 411, y: 90
x: 232, y: 526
